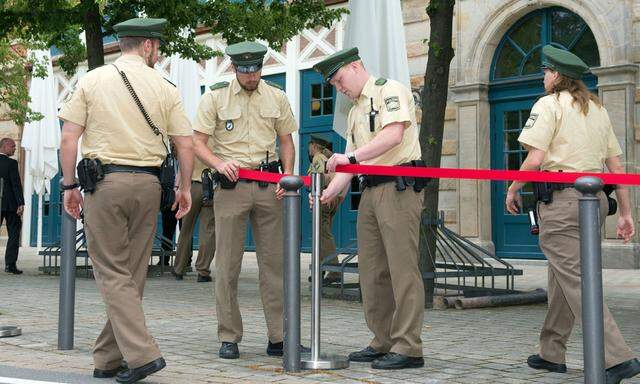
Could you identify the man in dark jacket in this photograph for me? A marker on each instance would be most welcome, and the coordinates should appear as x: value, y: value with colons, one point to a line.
x: 12, y: 203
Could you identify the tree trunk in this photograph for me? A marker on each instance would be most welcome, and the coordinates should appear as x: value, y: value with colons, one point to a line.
x: 93, y: 33
x: 434, y: 103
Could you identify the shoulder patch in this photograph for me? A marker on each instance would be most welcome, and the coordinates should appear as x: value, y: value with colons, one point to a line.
x: 275, y: 85
x: 169, y: 81
x: 381, y: 81
x: 531, y: 120
x: 222, y: 84
x: 392, y: 103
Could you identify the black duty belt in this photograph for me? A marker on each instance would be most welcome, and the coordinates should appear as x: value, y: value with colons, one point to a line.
x: 561, y: 186
x: 375, y: 180
x: 111, y: 168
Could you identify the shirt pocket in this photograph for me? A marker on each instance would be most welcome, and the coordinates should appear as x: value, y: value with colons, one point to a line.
x: 270, y: 113
x: 228, y: 126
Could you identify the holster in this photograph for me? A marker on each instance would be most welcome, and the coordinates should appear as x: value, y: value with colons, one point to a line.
x: 613, y: 204
x: 223, y: 181
x: 543, y: 192
x: 272, y: 167
x: 207, y: 186
x: 89, y: 174
x: 402, y: 182
x: 167, y: 182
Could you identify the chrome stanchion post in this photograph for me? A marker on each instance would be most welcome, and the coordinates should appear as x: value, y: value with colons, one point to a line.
x: 67, y: 281
x: 291, y: 248
x: 315, y: 360
x: 591, y: 281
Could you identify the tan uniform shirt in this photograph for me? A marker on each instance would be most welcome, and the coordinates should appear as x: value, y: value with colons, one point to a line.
x: 318, y: 163
x: 116, y: 132
x: 394, y: 103
x: 573, y: 142
x: 244, y: 125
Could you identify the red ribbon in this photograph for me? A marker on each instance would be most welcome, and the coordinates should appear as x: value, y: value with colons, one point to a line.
x: 457, y: 173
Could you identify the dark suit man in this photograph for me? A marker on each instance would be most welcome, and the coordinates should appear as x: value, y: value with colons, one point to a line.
x: 12, y: 203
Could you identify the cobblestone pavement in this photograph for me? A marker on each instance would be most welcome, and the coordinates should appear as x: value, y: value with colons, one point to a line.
x: 470, y: 346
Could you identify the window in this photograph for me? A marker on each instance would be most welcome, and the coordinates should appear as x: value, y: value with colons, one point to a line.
x: 321, y: 99
x: 519, y: 52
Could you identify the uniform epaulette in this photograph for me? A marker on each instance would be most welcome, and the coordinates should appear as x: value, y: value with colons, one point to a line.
x: 169, y: 81
x: 222, y: 84
x: 381, y: 81
x: 275, y: 85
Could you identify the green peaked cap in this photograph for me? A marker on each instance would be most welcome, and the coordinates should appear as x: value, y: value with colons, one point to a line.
x: 563, y: 62
x: 247, y: 56
x: 141, y: 27
x: 329, y: 66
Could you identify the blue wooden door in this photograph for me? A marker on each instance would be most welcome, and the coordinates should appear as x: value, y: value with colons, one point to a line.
x: 516, y: 83
x: 317, y: 100
x: 51, y: 214
x: 511, y: 232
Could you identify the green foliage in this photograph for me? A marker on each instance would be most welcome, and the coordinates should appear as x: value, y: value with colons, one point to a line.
x: 59, y: 23
x: 14, y: 71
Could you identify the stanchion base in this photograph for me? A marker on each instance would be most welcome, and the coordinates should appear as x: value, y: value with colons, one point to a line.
x: 10, y: 331
x: 324, y: 362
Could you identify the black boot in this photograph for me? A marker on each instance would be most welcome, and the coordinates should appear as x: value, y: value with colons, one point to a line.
x: 366, y: 355
x: 537, y: 362
x: 229, y: 351
x: 132, y: 375
x: 394, y: 360
x: 109, y: 373
x: 625, y: 370
x: 277, y: 349
x: 11, y: 268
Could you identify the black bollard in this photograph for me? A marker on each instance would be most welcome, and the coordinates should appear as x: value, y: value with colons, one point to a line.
x: 291, y: 249
x: 67, y: 299
x: 591, y: 281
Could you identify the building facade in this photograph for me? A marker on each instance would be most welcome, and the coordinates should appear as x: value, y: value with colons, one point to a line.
x: 495, y: 78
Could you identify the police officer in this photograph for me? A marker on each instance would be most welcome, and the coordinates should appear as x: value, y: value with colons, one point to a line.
x: 381, y: 130
x: 245, y: 117
x: 120, y: 215
x: 569, y: 130
x: 319, y: 154
x: 206, y: 231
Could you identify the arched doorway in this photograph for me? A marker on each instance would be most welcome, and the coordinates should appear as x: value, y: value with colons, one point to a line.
x: 515, y: 85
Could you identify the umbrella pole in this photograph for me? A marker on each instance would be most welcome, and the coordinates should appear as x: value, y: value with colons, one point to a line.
x: 39, y: 239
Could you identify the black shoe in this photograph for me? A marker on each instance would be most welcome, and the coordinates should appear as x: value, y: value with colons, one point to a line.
x: 329, y: 280
x: 12, y: 269
x: 132, y: 375
x: 229, y: 351
x: 537, y: 362
x: 366, y: 355
x: 625, y: 370
x: 277, y: 349
x: 204, y: 279
x: 176, y: 275
x: 109, y: 373
x: 397, y: 361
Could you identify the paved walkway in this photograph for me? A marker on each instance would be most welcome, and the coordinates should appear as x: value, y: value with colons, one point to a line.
x: 470, y: 346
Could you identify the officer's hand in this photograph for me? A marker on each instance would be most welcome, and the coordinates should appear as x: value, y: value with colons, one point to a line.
x: 335, y: 160
x: 279, y: 192
x: 183, y: 203
x: 328, y: 195
x: 20, y: 210
x: 73, y: 202
x: 230, y: 169
x: 513, y: 202
x: 624, y: 228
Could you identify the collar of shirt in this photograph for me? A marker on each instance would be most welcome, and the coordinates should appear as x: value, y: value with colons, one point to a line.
x: 367, y: 90
x: 4, y: 154
x: 236, y: 87
x: 130, y: 59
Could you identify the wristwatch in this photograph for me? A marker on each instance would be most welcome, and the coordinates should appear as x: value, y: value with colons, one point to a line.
x: 352, y: 158
x: 69, y: 187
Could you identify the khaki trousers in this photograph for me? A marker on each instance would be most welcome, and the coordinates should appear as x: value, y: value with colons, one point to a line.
x: 560, y: 242
x: 232, y: 208
x: 206, y: 235
x: 392, y: 289
x: 327, y: 241
x: 120, y: 222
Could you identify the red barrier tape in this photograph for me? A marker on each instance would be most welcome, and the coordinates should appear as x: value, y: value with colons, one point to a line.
x: 458, y: 173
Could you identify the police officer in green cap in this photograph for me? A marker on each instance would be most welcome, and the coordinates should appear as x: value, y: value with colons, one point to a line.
x: 319, y: 153
x: 120, y: 214
x: 569, y: 130
x: 382, y: 130
x: 246, y: 117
